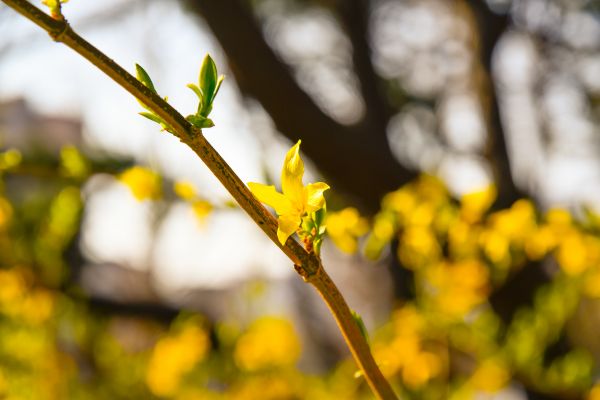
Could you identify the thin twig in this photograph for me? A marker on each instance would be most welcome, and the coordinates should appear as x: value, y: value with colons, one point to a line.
x: 308, y: 265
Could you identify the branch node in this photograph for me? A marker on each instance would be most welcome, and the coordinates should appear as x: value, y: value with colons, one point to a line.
x: 58, y: 35
x: 309, y: 272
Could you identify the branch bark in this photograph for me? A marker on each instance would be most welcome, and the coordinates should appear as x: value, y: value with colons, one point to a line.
x: 308, y: 265
x: 356, y: 159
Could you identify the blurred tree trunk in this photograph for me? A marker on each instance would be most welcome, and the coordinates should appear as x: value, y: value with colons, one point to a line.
x: 490, y: 27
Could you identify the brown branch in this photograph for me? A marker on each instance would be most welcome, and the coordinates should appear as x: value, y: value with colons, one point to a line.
x: 356, y: 159
x: 354, y: 15
x: 308, y: 265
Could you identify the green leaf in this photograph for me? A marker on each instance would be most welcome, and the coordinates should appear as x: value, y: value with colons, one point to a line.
x: 210, y: 83
x: 320, y: 216
x: 143, y: 77
x: 208, y: 79
x: 219, y: 81
x: 196, y: 90
x: 200, y: 122
x: 152, y: 117
x: 361, y: 325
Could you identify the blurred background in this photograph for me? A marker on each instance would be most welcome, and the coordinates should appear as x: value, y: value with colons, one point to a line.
x: 460, y: 137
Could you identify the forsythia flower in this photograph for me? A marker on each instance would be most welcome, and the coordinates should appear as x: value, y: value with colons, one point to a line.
x: 345, y: 227
x: 296, y: 199
x: 143, y: 183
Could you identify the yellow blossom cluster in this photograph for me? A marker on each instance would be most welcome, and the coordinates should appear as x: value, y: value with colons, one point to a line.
x: 175, y: 355
x: 19, y: 299
x: 458, y: 253
x: 269, y: 342
x: 345, y: 227
x: 405, y: 349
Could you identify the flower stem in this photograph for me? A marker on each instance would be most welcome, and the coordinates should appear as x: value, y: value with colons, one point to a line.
x: 308, y: 265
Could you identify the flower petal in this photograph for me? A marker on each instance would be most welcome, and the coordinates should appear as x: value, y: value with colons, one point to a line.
x: 287, y: 225
x: 314, y: 196
x: 291, y: 176
x: 268, y: 194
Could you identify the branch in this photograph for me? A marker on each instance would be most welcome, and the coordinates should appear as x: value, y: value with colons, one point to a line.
x: 354, y: 15
x: 308, y: 265
x: 340, y: 151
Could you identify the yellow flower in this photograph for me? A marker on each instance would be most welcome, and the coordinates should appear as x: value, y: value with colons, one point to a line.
x: 490, y: 376
x: 173, y: 357
x: 345, y: 227
x: 143, y: 183
x: 202, y: 209
x: 185, y: 190
x: 270, y: 342
x: 296, y: 199
x: 475, y: 204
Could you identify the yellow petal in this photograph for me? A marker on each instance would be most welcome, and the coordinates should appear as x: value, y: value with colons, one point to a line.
x: 291, y: 176
x: 268, y: 195
x: 287, y: 225
x: 314, y: 196
x: 185, y: 190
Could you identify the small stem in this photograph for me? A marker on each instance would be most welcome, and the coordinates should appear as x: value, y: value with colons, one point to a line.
x: 352, y: 335
x: 308, y: 265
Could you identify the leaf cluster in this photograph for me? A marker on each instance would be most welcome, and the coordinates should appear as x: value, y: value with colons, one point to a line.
x: 208, y: 86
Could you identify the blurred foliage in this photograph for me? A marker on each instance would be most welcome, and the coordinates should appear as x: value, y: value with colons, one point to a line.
x: 446, y: 341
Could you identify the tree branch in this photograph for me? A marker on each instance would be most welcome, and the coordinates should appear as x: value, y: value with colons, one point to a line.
x: 308, y: 265
x: 354, y: 15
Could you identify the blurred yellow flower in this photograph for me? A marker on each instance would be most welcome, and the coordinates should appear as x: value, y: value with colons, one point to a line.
x: 185, y: 190
x: 430, y: 188
x: 559, y: 217
x: 401, y: 201
x: 296, y: 200
x: 173, y: 357
x: 591, y: 284
x: 201, y: 209
x: 475, y: 204
x: 594, y: 393
x: 270, y: 342
x: 490, y: 376
x: 73, y: 163
x: 540, y: 243
x: 10, y: 158
x: 6, y: 212
x: 404, y: 352
x: 516, y: 223
x: 345, y: 227
x: 571, y: 254
x: 143, y: 183
x: 422, y: 215
x: 264, y: 388
x: 13, y: 289
x: 38, y: 306
x: 496, y: 247
x: 463, y: 239
x: 455, y: 288
x: 420, y: 369
x: 418, y: 247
